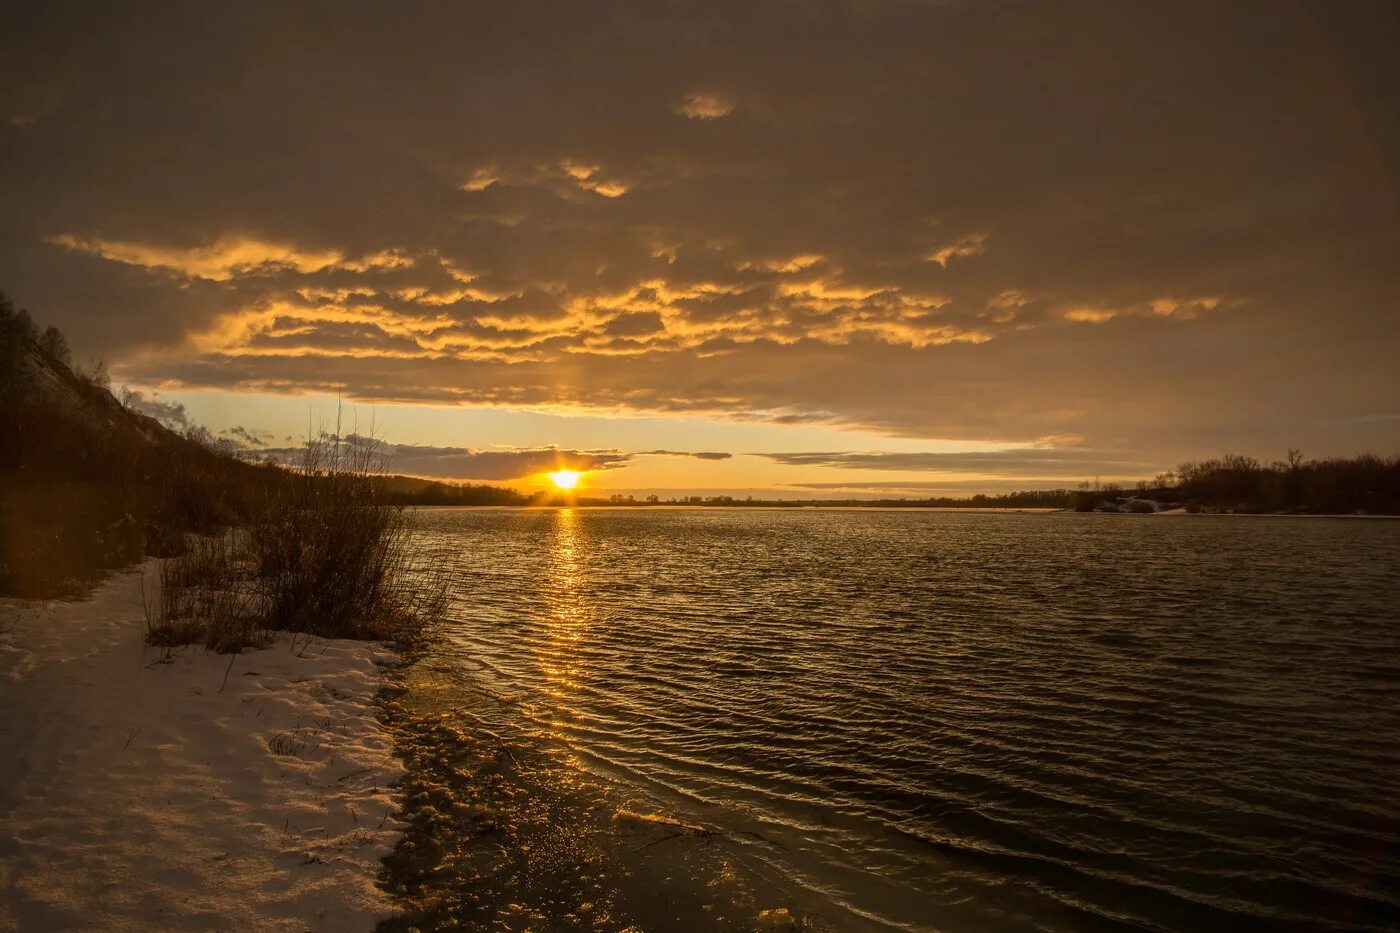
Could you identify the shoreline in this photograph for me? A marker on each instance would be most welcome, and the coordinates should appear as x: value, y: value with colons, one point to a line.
x: 508, y: 832
x: 146, y: 789
x: 325, y: 785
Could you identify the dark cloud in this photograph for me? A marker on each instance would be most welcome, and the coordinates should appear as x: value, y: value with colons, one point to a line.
x: 956, y: 488
x: 465, y: 463
x: 248, y: 438
x: 698, y: 455
x: 1166, y: 228
x: 1026, y: 462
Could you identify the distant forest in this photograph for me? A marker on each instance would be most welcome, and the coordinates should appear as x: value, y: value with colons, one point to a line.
x: 1027, y: 499
x: 1368, y: 484
x: 408, y: 490
x: 1238, y: 484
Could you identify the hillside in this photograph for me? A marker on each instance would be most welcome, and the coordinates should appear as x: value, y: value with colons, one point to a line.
x: 87, y: 484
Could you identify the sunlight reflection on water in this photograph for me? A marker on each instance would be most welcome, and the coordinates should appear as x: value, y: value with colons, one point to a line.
x: 569, y: 615
x: 1016, y: 721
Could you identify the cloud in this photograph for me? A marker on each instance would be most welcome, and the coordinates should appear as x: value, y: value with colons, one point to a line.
x: 1090, y: 315
x: 971, y: 245
x: 588, y: 177
x: 902, y: 217
x: 1030, y: 461
x: 218, y: 262
x: 932, y: 489
x: 1181, y: 309
x: 789, y: 265
x: 466, y: 463
x: 248, y: 438
x: 176, y: 417
x: 702, y: 106
x: 699, y: 455
x: 171, y: 414
x: 564, y: 177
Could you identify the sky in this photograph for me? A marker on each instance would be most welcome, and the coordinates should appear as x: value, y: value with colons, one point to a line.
x: 865, y: 248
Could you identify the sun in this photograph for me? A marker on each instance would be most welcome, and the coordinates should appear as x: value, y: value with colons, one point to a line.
x: 565, y: 479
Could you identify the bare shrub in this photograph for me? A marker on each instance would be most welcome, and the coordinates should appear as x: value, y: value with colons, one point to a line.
x: 333, y: 557
x: 322, y: 555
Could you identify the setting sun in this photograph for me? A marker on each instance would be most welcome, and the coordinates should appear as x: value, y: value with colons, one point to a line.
x: 565, y: 479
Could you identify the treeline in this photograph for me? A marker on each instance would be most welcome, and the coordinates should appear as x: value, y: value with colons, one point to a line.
x: 1025, y: 499
x: 408, y: 490
x: 1336, y: 485
x: 1367, y: 484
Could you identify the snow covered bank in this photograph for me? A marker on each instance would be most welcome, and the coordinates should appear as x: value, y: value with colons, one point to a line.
x: 209, y: 792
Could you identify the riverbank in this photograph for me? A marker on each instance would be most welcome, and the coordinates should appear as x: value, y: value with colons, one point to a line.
x: 147, y: 789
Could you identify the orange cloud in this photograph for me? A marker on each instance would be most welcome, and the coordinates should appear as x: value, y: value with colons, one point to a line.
x: 481, y: 179
x: 218, y: 262
x: 785, y: 266
x: 1090, y: 315
x: 971, y: 245
x: 586, y: 177
x: 1178, y: 309
x: 1189, y: 308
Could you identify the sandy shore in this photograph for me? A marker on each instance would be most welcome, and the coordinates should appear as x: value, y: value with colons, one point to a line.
x: 191, y: 792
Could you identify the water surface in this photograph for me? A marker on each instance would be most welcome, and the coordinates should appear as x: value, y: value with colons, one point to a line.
x: 930, y: 720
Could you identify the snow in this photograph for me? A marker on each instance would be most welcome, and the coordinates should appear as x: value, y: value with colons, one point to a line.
x: 209, y: 792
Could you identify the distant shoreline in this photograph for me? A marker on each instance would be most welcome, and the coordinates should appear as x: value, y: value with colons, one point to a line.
x: 761, y: 507
x: 1173, y: 513
x: 737, y: 507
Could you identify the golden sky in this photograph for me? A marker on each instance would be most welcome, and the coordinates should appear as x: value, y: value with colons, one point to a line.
x: 875, y: 247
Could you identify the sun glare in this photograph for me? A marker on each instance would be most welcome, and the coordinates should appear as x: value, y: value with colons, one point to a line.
x: 565, y: 479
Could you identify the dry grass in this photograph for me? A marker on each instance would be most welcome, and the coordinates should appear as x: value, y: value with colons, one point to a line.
x: 286, y: 744
x: 207, y: 596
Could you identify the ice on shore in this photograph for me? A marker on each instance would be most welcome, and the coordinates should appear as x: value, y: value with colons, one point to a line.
x: 209, y: 792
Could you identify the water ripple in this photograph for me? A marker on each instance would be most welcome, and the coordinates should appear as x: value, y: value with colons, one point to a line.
x: 988, y: 721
